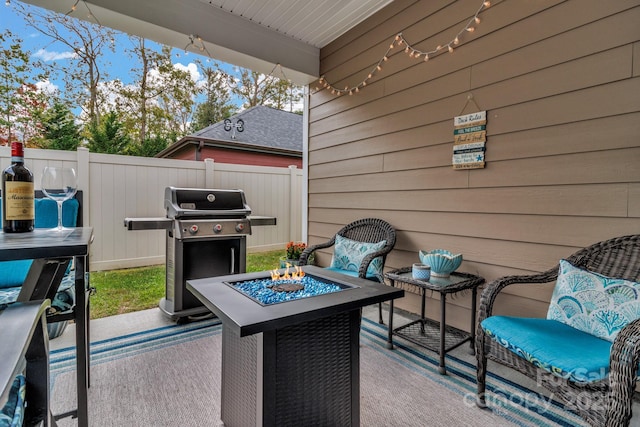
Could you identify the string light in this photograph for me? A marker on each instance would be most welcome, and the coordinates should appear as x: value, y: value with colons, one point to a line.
x: 90, y: 14
x: 200, y: 46
x: 412, y: 52
x: 278, y: 66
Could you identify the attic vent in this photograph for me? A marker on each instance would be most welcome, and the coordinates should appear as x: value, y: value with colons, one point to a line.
x: 229, y: 126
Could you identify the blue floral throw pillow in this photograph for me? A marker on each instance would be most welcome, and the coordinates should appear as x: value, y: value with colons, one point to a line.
x: 348, y: 255
x: 593, y: 303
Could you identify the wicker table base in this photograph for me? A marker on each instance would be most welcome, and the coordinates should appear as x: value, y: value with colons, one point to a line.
x: 300, y: 375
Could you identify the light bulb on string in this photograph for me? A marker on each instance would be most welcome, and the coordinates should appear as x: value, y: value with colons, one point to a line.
x: 411, y: 51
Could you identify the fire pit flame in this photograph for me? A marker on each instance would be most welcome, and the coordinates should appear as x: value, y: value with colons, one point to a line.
x: 296, y: 275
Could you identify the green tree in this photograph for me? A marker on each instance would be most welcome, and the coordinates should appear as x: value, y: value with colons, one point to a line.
x: 149, y: 147
x: 258, y: 89
x: 177, y: 100
x: 159, y: 104
x: 20, y: 101
x: 109, y: 136
x: 59, y: 129
x: 135, y: 101
x: 88, y: 41
x: 217, y: 105
x: 285, y: 96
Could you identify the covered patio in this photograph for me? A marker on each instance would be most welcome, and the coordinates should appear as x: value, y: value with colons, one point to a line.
x: 559, y: 83
x: 558, y: 80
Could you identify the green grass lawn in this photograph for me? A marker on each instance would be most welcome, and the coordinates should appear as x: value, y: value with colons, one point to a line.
x: 134, y: 289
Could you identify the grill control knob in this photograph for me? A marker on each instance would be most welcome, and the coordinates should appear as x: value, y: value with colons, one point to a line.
x: 217, y: 228
x: 239, y: 227
x: 193, y: 229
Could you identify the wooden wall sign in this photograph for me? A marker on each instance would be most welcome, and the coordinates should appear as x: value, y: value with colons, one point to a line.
x: 469, y: 139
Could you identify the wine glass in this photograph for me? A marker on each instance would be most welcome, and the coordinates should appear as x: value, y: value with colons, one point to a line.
x: 59, y: 184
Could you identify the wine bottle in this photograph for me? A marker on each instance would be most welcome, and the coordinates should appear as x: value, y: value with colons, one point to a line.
x: 18, y: 212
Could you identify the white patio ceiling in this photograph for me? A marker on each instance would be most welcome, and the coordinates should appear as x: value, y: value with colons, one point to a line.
x: 255, y: 34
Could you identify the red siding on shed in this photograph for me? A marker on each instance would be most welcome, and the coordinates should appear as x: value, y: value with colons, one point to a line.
x: 236, y: 157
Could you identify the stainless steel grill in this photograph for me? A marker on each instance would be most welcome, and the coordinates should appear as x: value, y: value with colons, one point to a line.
x: 207, y: 233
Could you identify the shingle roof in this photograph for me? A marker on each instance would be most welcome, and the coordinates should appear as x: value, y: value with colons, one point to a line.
x: 263, y: 126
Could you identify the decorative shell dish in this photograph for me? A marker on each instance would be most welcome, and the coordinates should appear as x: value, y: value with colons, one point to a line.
x: 442, y: 262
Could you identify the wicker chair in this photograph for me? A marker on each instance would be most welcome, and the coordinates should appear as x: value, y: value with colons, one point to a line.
x: 369, y: 230
x: 618, y: 258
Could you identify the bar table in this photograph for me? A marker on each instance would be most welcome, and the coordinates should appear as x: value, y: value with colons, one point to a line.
x: 48, y: 247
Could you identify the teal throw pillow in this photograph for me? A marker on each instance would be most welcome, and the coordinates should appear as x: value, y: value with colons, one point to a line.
x: 348, y: 255
x: 593, y: 303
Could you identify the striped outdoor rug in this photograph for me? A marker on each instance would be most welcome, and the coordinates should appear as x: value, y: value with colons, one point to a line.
x: 169, y: 376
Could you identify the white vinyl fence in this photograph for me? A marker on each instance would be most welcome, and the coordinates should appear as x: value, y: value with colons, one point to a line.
x: 117, y: 187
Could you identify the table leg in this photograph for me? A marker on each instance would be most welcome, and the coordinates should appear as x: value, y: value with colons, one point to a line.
x: 82, y: 344
x: 474, y: 295
x: 423, y: 310
x: 443, y: 326
x: 390, y: 324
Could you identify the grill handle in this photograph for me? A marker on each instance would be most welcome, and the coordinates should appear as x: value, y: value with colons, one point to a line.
x: 148, y: 223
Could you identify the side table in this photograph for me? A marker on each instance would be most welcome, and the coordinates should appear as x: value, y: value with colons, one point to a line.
x: 436, y: 336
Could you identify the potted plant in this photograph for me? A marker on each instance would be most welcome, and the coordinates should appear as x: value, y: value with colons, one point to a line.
x: 292, y: 254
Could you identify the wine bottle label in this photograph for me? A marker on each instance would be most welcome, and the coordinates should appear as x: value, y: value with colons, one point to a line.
x: 20, y: 201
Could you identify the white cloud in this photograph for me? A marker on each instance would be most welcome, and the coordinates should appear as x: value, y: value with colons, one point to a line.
x: 53, y: 56
x: 192, y: 69
x: 47, y: 87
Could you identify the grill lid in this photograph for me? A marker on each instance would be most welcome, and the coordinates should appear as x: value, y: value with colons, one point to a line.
x: 205, y: 203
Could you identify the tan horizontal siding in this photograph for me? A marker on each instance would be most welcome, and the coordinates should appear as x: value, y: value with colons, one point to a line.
x: 592, y: 200
x: 558, y: 230
x: 559, y: 81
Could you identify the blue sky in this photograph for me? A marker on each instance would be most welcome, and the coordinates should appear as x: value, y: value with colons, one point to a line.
x: 41, y: 47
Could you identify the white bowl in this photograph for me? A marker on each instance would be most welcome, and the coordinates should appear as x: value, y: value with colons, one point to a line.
x: 442, y: 262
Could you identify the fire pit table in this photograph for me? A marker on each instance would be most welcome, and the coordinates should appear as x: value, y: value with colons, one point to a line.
x: 294, y: 362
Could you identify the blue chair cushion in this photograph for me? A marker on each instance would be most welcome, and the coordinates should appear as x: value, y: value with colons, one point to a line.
x: 348, y: 255
x: 12, y: 414
x: 593, y: 303
x: 13, y: 273
x: 553, y: 346
x: 62, y: 302
x: 47, y: 213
